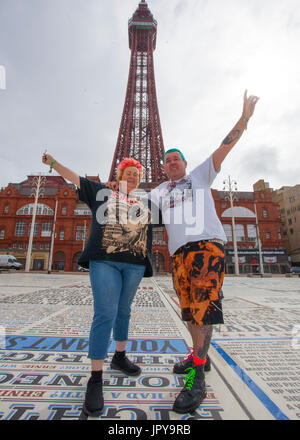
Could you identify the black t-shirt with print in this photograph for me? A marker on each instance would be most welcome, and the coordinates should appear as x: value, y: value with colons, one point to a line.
x: 121, y: 226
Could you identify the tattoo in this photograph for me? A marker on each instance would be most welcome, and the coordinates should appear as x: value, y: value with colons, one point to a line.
x: 233, y: 136
x: 206, y: 331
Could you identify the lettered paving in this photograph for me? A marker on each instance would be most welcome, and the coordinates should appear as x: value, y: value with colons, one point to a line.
x: 44, y: 328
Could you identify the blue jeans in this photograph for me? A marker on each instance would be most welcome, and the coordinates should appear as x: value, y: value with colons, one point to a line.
x: 114, y: 286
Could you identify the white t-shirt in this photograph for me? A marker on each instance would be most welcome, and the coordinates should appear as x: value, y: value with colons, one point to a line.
x: 188, y: 208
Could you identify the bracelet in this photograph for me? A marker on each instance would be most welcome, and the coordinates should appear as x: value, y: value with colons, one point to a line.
x: 246, y: 120
x: 51, y: 165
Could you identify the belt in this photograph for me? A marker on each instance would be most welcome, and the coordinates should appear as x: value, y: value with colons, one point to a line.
x: 191, y: 243
x: 215, y: 240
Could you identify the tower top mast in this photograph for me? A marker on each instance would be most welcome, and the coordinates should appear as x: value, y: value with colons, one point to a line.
x: 142, y: 19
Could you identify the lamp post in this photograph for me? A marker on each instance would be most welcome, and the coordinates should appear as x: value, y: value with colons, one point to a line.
x: 52, y: 238
x: 230, y: 187
x: 261, y: 264
x: 84, y: 235
x: 37, y: 191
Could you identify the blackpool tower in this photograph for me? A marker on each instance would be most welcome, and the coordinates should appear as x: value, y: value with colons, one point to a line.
x: 140, y: 134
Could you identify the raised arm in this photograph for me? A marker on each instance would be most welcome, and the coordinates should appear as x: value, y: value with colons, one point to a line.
x: 62, y: 170
x: 237, y: 131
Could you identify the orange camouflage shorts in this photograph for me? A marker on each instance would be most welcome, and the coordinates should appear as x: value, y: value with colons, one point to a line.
x: 198, y: 274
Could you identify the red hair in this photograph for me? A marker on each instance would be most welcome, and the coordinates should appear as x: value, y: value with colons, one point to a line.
x: 129, y: 162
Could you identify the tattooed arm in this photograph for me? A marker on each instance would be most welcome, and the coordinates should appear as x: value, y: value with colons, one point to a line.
x: 237, y: 131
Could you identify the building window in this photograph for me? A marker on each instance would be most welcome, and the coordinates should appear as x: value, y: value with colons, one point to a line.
x: 40, y: 210
x: 82, y: 212
x: 6, y: 208
x: 291, y: 230
x: 265, y: 213
x: 42, y: 246
x: 290, y: 221
x: 62, y: 235
x: 239, y: 233
x: 46, y: 229
x: 35, y: 229
x: 78, y: 235
x: 81, y: 235
x: 282, y: 212
x: 238, y: 211
x: 268, y: 235
x: 64, y: 210
x: 157, y: 235
x: 292, y: 199
x: 20, y: 229
x: 47, y: 226
x: 228, y: 231
x: 251, y: 232
x: 2, y: 234
x: 20, y: 245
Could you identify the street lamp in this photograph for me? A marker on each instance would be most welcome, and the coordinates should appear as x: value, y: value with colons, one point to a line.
x: 261, y: 264
x: 84, y: 235
x: 52, y: 238
x: 37, y: 191
x: 230, y: 187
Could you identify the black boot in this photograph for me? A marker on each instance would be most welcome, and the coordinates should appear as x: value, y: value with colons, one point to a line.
x: 207, y: 365
x: 94, y: 403
x: 193, y: 392
x: 180, y: 367
x: 122, y: 363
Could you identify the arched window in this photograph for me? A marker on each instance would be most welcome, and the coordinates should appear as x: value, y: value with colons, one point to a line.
x: 238, y: 211
x: 41, y: 210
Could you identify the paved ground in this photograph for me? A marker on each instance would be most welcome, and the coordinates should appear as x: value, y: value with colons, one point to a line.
x: 44, y: 367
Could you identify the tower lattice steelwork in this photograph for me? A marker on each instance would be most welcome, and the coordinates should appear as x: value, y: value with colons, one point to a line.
x: 140, y: 134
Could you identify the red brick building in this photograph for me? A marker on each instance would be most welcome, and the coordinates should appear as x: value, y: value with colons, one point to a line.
x: 275, y: 259
x: 73, y: 219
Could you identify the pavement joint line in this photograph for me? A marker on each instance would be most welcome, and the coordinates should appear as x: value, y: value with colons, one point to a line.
x: 246, y: 300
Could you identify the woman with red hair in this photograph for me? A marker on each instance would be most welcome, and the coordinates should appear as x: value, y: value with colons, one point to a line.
x: 118, y: 255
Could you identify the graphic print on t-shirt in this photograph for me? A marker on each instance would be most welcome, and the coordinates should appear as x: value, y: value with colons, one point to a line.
x: 126, y: 226
x: 177, y: 192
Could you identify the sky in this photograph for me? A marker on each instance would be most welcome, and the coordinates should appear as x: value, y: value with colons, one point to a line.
x: 66, y: 65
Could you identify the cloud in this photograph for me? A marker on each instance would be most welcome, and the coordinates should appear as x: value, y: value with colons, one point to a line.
x: 67, y: 69
x: 260, y: 161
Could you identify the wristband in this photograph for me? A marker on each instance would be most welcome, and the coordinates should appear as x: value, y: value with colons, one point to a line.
x: 51, y: 165
x: 246, y: 120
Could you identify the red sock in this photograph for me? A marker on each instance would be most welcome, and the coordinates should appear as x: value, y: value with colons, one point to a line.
x: 198, y: 361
